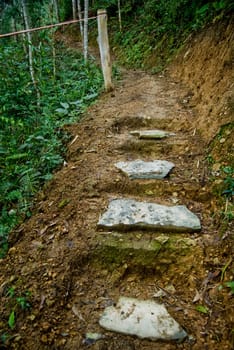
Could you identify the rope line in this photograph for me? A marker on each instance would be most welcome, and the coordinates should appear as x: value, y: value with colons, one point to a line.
x: 46, y: 27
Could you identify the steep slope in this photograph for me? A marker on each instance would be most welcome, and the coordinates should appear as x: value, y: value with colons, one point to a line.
x: 205, y: 66
x: 74, y: 269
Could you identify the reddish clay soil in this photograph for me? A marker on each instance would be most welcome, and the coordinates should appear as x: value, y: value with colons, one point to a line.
x: 54, y: 253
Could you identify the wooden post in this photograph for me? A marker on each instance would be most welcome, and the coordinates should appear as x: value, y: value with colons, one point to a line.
x: 104, y: 48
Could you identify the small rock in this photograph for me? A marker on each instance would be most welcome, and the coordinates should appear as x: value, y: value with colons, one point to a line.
x: 218, y: 182
x: 91, y: 338
x: 17, y: 338
x: 12, y: 251
x: 62, y: 342
x: 44, y: 339
x: 45, y: 326
x: 222, y: 140
x: 31, y: 317
x: 216, y: 167
x: 174, y: 200
x: 50, y: 302
x: 159, y: 294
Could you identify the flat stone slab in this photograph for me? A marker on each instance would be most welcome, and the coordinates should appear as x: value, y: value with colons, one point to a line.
x: 143, y: 318
x: 138, y: 169
x: 124, y: 214
x: 151, y: 134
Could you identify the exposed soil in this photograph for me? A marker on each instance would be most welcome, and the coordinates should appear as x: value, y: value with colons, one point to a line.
x: 205, y: 65
x: 54, y: 253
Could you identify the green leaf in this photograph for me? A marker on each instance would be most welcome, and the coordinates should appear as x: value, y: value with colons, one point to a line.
x: 17, y: 156
x: 11, y: 320
x: 230, y: 284
x: 203, y: 9
x: 64, y: 105
x: 77, y: 103
x: 61, y: 111
x: 11, y: 292
x: 90, y: 96
x: 202, y: 309
x: 228, y: 170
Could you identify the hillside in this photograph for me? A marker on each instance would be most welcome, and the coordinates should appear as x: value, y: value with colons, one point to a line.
x: 205, y: 66
x: 67, y: 270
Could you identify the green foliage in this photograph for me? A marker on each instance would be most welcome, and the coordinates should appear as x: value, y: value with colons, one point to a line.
x: 230, y: 284
x: 227, y: 191
x: 11, y: 320
x: 32, y: 141
x: 157, y: 28
x: 31, y: 138
x: 23, y: 301
x: 3, y: 338
x: 17, y: 304
x: 228, y: 182
x: 11, y: 292
x: 202, y: 309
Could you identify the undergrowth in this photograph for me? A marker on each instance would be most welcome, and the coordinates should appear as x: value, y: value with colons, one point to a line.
x: 221, y: 163
x: 153, y: 31
x: 32, y: 140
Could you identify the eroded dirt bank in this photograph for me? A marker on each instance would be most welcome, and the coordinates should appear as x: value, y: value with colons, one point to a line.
x: 205, y: 66
x: 56, y: 254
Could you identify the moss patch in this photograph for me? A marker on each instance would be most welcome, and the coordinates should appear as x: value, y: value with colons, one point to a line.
x: 143, y: 250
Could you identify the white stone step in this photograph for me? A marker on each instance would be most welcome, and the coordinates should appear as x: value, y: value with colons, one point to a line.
x: 143, y: 318
x: 151, y: 134
x: 125, y: 214
x: 138, y: 169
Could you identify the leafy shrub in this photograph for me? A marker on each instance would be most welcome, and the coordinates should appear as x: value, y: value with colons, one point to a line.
x: 159, y: 28
x: 31, y: 136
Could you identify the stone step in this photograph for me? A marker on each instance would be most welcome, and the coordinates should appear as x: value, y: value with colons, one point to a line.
x: 151, y: 134
x: 142, y: 318
x: 138, y: 169
x: 125, y: 214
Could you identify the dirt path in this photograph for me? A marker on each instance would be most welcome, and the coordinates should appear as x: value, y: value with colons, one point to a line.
x: 55, y: 252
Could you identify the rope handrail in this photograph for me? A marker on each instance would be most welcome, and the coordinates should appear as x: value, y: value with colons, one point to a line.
x: 45, y: 27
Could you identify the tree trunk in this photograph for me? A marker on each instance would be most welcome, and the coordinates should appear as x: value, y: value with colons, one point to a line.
x: 119, y: 16
x: 56, y: 10
x: 86, y: 12
x: 74, y: 9
x: 54, y: 16
x: 30, y: 51
x: 80, y: 19
x: 13, y: 28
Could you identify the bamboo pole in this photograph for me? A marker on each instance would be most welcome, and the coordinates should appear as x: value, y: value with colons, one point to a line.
x: 30, y: 51
x: 119, y: 16
x: 80, y: 19
x: 86, y: 22
x: 104, y: 48
x: 74, y: 9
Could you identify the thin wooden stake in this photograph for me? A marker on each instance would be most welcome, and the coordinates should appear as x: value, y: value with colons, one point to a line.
x: 86, y: 39
x: 104, y: 49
